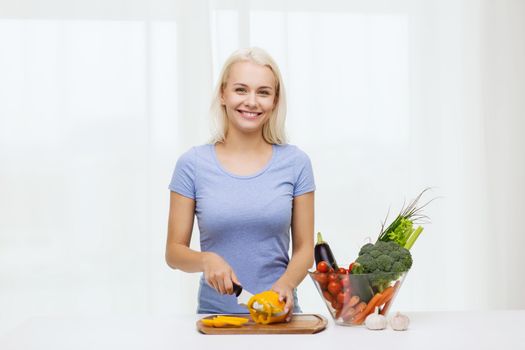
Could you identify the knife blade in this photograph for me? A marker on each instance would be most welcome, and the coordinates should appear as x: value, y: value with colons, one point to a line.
x: 243, y: 296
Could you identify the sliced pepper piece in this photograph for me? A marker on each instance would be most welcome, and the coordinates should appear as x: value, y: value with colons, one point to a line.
x: 232, y: 319
x: 224, y: 321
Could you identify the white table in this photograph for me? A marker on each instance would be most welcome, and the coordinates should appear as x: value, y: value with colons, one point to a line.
x: 428, y: 330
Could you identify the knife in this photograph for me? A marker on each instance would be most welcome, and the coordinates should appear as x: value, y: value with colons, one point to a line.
x: 243, y: 296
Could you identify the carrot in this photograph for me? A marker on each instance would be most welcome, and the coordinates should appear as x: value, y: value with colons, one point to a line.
x: 387, y: 295
x: 361, y: 306
x: 385, y: 308
x: 354, y: 300
x: 388, y: 301
x: 349, y: 313
x: 360, y: 317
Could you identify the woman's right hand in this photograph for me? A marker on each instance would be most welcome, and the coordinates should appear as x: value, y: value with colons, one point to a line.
x: 218, y: 273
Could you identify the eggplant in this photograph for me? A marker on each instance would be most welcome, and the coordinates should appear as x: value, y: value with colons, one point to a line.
x: 322, y: 252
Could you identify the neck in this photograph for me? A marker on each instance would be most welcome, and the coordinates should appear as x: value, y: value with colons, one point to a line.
x: 237, y: 141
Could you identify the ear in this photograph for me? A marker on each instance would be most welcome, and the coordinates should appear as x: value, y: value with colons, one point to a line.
x: 222, y: 96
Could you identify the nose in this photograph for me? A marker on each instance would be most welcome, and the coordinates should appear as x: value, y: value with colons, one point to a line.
x: 250, y: 100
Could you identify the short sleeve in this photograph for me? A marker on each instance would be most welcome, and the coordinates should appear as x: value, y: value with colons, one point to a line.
x: 305, y: 176
x: 183, y: 178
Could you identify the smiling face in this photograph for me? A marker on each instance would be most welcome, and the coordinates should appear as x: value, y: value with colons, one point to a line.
x: 249, y: 96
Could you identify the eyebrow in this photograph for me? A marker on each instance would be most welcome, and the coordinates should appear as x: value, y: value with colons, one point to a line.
x: 260, y: 87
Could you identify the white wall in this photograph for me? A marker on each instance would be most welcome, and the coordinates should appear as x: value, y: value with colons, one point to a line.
x: 98, y: 99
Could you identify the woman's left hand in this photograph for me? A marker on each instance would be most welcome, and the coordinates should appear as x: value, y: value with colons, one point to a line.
x: 285, y: 293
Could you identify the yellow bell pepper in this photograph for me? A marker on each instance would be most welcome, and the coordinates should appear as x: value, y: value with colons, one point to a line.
x: 272, y: 309
x: 224, y: 321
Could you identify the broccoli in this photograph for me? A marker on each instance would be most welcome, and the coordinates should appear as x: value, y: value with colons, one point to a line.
x: 366, y: 248
x: 398, y: 267
x: 379, y: 280
x: 384, y: 261
x: 367, y: 262
x: 376, y: 253
x: 386, y: 247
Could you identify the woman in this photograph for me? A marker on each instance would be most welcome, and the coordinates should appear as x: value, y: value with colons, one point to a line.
x: 248, y: 189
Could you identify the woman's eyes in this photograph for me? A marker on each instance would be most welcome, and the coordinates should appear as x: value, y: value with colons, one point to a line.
x: 262, y: 92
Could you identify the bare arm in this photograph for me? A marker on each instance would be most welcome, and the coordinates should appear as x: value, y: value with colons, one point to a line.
x: 179, y: 255
x: 302, y: 247
x: 302, y: 240
x: 180, y: 226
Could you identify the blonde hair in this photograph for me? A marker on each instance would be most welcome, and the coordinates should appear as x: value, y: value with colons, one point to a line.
x: 273, y: 130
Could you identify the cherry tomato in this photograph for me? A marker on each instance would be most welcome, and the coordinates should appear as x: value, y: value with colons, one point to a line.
x: 350, y: 267
x: 332, y: 277
x: 321, y: 278
x: 342, y: 271
x: 336, y: 305
x: 334, y: 288
x: 328, y: 296
x: 341, y: 298
x: 323, y: 266
x: 345, y: 282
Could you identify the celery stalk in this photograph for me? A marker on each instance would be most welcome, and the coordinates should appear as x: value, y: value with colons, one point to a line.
x: 413, y: 237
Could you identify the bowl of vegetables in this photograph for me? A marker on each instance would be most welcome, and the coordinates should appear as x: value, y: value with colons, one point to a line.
x: 351, y: 297
x: 372, y: 281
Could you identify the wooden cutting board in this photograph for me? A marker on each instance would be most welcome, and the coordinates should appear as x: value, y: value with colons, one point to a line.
x: 300, y: 324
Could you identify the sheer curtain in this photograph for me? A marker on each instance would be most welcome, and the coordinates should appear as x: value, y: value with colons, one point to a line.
x: 97, y: 101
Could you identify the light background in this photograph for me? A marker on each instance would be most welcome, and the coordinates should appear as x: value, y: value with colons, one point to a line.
x: 99, y: 98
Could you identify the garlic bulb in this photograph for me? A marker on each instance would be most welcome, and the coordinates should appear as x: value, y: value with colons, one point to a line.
x: 399, y: 322
x: 375, y: 321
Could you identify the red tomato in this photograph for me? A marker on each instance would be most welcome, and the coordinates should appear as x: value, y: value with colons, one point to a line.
x: 341, y: 298
x: 328, y: 296
x: 332, y: 277
x: 342, y: 271
x: 345, y: 282
x: 334, y: 288
x: 322, y: 266
x: 321, y: 278
x: 336, y: 305
x: 350, y: 267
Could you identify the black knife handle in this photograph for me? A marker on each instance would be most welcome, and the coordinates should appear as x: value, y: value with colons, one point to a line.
x: 237, y: 289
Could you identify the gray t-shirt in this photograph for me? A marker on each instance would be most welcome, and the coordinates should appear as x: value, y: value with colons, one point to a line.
x: 244, y: 219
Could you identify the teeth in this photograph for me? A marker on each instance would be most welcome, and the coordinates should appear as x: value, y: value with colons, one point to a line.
x: 249, y: 114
